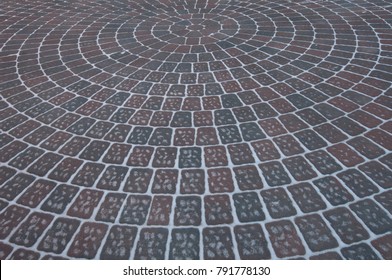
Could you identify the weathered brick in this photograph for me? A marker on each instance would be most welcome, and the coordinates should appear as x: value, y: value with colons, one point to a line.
x: 285, y: 239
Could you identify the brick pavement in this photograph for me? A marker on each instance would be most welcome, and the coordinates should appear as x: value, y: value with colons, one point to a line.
x: 206, y: 129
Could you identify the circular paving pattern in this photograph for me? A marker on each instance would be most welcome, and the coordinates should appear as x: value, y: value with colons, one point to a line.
x: 196, y: 129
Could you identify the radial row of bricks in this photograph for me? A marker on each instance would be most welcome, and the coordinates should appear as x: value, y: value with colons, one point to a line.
x: 196, y: 129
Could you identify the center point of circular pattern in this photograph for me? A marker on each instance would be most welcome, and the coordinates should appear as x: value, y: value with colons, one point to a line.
x: 195, y: 27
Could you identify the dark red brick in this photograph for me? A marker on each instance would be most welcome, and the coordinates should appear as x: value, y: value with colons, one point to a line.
x: 165, y: 157
x: 381, y: 137
x: 23, y: 254
x: 140, y: 156
x: 39, y: 135
x: 215, y: 156
x: 44, y: 164
x: 292, y: 122
x: 165, y: 181
x: 220, y: 180
x: 384, y: 246
x: 87, y: 241
x: 365, y: 118
x: 345, y: 154
x: 5, y: 250
x: 272, y: 127
x: 24, y: 128
x: 218, y: 209
x: 285, y: 239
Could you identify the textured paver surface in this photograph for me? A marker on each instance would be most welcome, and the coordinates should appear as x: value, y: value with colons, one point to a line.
x: 196, y: 129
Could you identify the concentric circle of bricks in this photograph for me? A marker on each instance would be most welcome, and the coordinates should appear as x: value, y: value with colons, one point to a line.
x: 196, y: 129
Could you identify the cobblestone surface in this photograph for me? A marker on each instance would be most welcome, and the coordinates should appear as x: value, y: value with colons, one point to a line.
x: 207, y: 129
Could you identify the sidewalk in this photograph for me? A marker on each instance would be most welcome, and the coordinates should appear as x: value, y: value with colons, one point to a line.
x: 201, y: 129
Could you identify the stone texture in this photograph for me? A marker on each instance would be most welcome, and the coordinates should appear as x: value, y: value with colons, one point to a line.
x: 195, y: 129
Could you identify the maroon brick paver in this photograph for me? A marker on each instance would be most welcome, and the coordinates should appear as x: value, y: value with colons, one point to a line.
x: 87, y: 241
x: 203, y: 129
x: 285, y: 239
x: 384, y: 246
